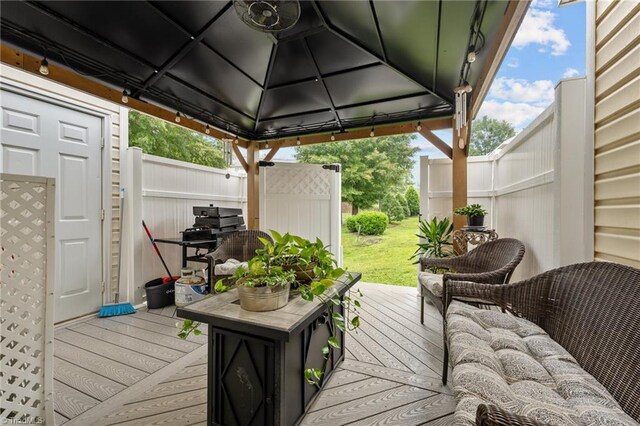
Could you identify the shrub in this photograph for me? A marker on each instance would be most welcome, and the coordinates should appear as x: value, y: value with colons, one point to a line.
x: 352, y: 224
x: 403, y: 203
x: 371, y: 223
x: 413, y: 201
x: 392, y: 208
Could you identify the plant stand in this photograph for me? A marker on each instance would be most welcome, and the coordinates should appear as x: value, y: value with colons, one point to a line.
x: 256, y: 360
x: 463, y: 237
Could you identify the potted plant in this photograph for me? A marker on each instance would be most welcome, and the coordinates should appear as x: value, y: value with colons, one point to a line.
x: 475, y: 214
x: 267, y: 271
x: 263, y: 287
x: 436, y: 238
x: 293, y: 253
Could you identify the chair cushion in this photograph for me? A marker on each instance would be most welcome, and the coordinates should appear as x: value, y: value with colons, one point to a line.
x: 431, y: 283
x: 229, y: 267
x: 512, y: 363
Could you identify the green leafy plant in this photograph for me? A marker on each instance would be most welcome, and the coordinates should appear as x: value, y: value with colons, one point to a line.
x: 352, y: 223
x: 268, y: 268
x: 413, y: 201
x: 368, y: 223
x: 403, y: 203
x: 437, y: 235
x: 471, y: 210
x: 392, y: 208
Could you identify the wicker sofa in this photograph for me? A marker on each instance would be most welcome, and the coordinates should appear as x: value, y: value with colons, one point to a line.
x: 567, y: 352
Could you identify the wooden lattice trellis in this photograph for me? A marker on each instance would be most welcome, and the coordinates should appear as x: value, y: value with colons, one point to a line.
x: 26, y: 299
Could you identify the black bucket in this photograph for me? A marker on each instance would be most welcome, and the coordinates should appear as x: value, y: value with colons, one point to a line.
x: 159, y: 295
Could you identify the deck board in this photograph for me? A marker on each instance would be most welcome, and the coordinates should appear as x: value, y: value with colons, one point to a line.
x: 125, y: 356
x: 390, y: 375
x: 89, y: 382
x: 152, y: 349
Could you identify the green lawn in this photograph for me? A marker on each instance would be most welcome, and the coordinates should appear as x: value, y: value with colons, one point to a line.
x: 383, y: 259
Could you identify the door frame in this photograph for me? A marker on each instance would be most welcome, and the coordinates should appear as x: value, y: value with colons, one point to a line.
x: 44, y: 95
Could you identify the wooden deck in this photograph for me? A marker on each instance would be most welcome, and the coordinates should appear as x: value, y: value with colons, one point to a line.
x: 133, y: 370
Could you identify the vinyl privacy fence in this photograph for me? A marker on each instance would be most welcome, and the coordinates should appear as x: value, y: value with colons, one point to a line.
x: 537, y: 187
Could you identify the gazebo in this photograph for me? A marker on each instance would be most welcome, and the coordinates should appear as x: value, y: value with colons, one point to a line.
x: 343, y: 71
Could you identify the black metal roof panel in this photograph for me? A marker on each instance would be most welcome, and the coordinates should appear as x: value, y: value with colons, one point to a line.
x: 345, y: 64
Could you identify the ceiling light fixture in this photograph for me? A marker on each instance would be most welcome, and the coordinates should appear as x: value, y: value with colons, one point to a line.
x: 373, y: 132
x: 298, y: 140
x: 333, y: 137
x: 44, y: 67
x: 125, y: 96
x: 206, y: 129
x: 235, y: 140
x: 419, y: 126
x: 177, y: 116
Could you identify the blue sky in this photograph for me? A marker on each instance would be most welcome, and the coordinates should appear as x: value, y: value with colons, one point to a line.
x: 549, y: 46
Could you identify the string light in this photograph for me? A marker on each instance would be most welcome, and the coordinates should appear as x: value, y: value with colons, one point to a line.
x: 333, y: 137
x: 177, y: 116
x: 419, y: 126
x: 44, y: 67
x: 236, y: 140
x: 266, y: 145
x: 206, y: 129
x: 373, y: 132
x: 471, y: 57
x: 125, y: 96
x: 298, y: 140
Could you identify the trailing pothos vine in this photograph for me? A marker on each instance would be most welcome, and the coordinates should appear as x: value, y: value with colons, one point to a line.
x: 312, y: 270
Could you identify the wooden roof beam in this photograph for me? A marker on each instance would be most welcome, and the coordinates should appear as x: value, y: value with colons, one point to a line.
x: 437, y: 142
x: 389, y: 130
x: 29, y: 63
x: 513, y: 16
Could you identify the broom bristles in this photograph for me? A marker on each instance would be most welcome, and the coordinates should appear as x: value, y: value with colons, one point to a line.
x: 114, y: 309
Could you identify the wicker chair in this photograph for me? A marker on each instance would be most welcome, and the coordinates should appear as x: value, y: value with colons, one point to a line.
x: 241, y: 245
x: 590, y: 309
x: 492, y: 262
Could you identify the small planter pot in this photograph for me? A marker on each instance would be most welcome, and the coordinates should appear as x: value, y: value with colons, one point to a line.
x: 261, y: 299
x: 475, y: 221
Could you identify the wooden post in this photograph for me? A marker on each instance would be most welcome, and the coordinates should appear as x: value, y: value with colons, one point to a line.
x: 253, y: 186
x: 459, y: 177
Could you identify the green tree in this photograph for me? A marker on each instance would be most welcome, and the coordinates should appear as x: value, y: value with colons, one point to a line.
x: 161, y: 138
x: 413, y: 200
x: 371, y: 168
x: 392, y: 208
x: 487, y: 134
x: 403, y: 202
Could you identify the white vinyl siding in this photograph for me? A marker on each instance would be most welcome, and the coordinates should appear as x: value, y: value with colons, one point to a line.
x: 617, y: 131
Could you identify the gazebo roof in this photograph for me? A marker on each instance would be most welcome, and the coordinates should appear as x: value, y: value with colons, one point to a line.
x: 344, y: 65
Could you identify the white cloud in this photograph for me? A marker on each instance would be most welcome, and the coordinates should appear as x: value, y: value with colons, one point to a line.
x: 519, y: 114
x: 538, y: 28
x: 570, y: 72
x: 543, y: 4
x: 519, y: 90
x: 513, y: 63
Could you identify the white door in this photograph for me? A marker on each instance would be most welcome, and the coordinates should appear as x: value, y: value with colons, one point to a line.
x: 43, y: 139
x: 303, y: 199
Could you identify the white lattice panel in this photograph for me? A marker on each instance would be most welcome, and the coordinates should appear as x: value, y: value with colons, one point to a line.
x: 26, y: 300
x: 300, y: 181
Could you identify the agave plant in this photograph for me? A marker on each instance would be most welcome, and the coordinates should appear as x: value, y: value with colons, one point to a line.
x: 436, y: 234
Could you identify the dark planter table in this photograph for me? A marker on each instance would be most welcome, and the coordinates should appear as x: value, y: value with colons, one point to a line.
x: 256, y: 360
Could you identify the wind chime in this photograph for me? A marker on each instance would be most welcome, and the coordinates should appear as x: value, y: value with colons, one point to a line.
x: 228, y: 155
x: 461, y: 94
